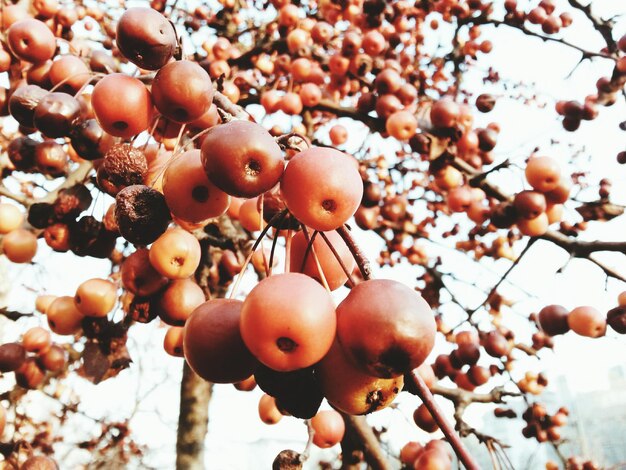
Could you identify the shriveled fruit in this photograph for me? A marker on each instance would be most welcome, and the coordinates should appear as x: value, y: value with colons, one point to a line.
x: 322, y: 187
x: 175, y: 254
x: 386, y: 328
x: 214, y: 348
x: 288, y: 321
x: 123, y: 165
x: 96, y: 297
x: 142, y: 214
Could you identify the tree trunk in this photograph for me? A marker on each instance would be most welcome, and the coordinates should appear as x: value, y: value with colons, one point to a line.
x: 193, y: 420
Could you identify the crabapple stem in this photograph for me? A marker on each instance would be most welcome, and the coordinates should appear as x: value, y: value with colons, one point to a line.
x: 420, y: 386
x: 360, y: 258
x: 453, y: 438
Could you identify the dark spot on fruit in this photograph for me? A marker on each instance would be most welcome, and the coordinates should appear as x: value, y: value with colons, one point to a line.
x: 180, y: 114
x: 253, y: 168
x: 392, y: 362
x: 329, y: 205
x: 178, y: 261
x: 120, y: 125
x: 286, y: 344
x: 200, y: 193
x: 374, y: 400
x: 77, y: 299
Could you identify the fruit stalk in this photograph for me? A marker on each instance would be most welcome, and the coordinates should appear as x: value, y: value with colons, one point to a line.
x: 422, y: 390
x: 453, y: 438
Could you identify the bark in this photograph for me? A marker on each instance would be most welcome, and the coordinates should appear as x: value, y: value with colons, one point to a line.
x: 193, y: 420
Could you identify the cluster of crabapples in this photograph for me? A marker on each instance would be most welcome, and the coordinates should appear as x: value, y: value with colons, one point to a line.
x: 32, y: 358
x: 584, y: 320
x: 287, y: 333
x: 435, y: 454
x: 532, y: 210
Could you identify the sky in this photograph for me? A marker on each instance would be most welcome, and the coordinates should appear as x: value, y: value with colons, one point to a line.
x: 237, y: 439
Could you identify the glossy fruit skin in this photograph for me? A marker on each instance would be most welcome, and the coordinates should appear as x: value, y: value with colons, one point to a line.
x: 268, y: 411
x: 24, y: 101
x: 433, y: 460
x: 173, y: 342
x: 178, y: 301
x: 189, y: 193
x: 12, y: 356
x: 349, y: 390
x: 543, y: 173
x: 616, y: 318
x: 89, y: 139
x: 288, y: 321
x: 329, y: 428
x: 175, y: 254
x: 146, y: 38
x: 424, y: 419
x: 322, y: 203
x: 96, y: 297
x: 553, y: 320
x: 11, y: 218
x: 55, y: 114
x: 53, y: 359
x: 70, y: 70
x: 182, y: 91
x: 246, y: 169
x: 530, y: 204
x: 333, y: 273
x: 213, y: 345
x: 19, y: 246
x: 138, y: 275
x: 63, y: 316
x: 36, y: 340
x: 587, y: 321
x: 385, y: 328
x: 39, y: 462
x: 122, y: 105
x: 31, y: 40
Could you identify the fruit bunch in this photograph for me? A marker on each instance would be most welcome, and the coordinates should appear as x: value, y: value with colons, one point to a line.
x: 542, y: 426
x: 31, y: 359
